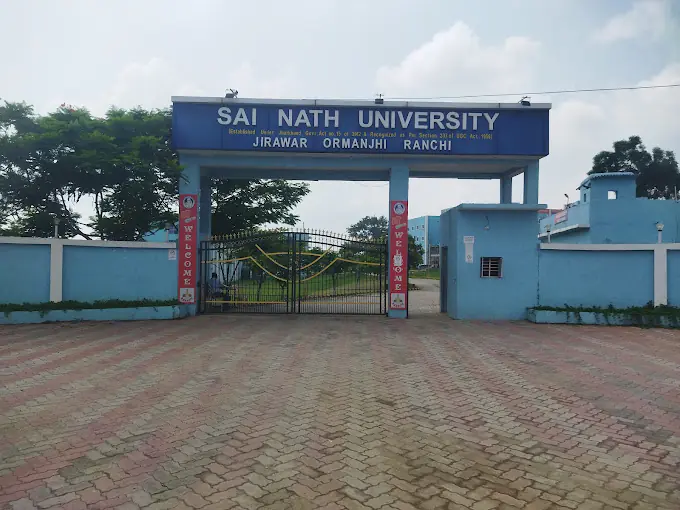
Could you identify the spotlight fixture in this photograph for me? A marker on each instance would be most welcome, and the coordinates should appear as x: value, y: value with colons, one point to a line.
x: 379, y: 99
x: 231, y: 94
x: 525, y: 101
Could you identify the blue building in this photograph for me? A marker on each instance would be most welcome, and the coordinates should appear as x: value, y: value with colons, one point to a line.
x: 425, y: 230
x: 161, y: 235
x: 489, y: 260
x: 609, y: 212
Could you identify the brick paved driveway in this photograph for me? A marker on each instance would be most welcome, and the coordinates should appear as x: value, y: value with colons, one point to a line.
x: 312, y: 412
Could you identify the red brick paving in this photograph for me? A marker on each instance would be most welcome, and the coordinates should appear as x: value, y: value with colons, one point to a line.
x: 320, y: 412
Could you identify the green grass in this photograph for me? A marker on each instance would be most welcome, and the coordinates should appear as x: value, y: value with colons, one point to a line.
x: 344, y: 284
x: 429, y: 274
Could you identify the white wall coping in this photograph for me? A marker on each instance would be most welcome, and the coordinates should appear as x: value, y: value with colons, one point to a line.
x: 578, y: 226
x: 85, y: 242
x: 610, y: 247
x: 357, y: 103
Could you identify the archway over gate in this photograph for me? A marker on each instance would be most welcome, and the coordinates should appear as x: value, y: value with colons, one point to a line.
x: 339, y: 140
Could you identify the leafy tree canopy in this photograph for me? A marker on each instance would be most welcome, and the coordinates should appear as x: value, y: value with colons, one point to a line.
x: 376, y: 227
x: 657, y: 172
x: 369, y: 227
x: 123, y: 167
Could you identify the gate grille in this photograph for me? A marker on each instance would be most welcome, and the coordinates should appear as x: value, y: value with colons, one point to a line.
x: 293, y: 272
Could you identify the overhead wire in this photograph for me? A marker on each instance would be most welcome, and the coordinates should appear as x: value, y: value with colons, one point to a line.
x: 541, y: 93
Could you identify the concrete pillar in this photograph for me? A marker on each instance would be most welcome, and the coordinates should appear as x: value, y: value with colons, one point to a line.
x: 531, y: 183
x: 660, y: 275
x: 56, y: 269
x: 205, y: 209
x: 190, y: 184
x: 506, y: 189
x: 398, y: 191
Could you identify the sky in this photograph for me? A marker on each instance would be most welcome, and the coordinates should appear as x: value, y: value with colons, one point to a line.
x: 128, y: 53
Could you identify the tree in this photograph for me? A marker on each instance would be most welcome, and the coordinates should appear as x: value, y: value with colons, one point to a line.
x: 369, y: 227
x: 124, y: 165
x: 240, y: 205
x: 415, y: 253
x: 37, y: 159
x: 657, y: 172
x: 376, y: 227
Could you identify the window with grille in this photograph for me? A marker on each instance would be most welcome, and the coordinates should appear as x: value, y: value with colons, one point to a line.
x: 491, y: 267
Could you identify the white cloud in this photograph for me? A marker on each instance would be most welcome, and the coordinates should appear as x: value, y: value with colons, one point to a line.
x: 245, y: 78
x: 580, y: 128
x: 149, y: 84
x: 456, y: 62
x: 152, y: 84
x: 646, y: 18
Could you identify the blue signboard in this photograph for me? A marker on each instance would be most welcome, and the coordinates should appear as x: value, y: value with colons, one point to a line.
x: 369, y: 129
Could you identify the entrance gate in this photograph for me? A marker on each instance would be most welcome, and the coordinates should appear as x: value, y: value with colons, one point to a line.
x: 293, y: 272
x: 390, y: 141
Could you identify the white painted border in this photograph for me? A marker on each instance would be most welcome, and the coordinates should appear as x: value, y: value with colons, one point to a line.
x: 570, y: 228
x: 610, y: 247
x: 85, y: 243
x: 343, y: 102
x: 56, y: 272
x: 660, y: 276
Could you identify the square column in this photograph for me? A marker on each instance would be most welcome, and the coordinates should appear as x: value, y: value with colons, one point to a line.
x: 205, y: 209
x: 189, y: 184
x: 398, y: 191
x: 506, y: 189
x: 531, y: 183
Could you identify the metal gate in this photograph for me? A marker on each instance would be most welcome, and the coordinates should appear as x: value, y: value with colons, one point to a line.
x: 293, y: 272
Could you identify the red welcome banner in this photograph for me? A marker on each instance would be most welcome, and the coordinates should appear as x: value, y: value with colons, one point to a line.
x: 187, y: 243
x: 398, y: 266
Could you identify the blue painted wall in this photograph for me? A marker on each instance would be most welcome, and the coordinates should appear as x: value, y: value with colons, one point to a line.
x: 94, y: 273
x: 673, y: 268
x: 24, y: 273
x: 577, y: 214
x: 508, y: 231
x: 624, y: 220
x: 416, y: 228
x: 596, y: 278
x: 158, y: 236
x: 455, y: 248
x: 425, y: 237
x: 433, y: 228
x: 634, y: 221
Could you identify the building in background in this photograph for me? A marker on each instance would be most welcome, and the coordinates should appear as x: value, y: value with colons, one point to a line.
x: 425, y: 231
x: 609, y: 212
x: 544, y: 213
x: 161, y: 235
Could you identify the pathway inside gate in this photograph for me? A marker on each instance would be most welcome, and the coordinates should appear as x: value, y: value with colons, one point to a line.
x: 324, y: 412
x: 425, y: 300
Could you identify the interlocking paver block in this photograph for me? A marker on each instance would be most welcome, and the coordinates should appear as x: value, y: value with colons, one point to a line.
x: 309, y: 412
